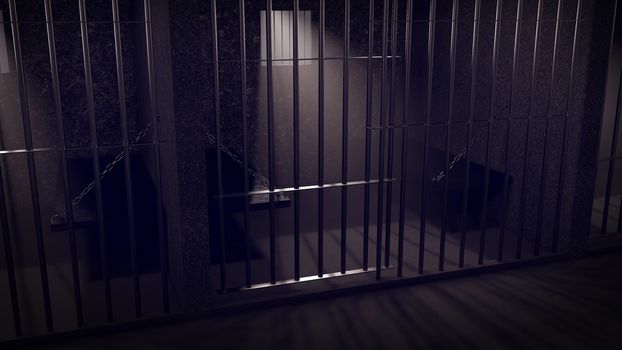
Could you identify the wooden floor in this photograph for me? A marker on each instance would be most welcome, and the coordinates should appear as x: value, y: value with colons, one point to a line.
x: 62, y: 300
x: 566, y: 305
x: 122, y: 290
x: 285, y: 258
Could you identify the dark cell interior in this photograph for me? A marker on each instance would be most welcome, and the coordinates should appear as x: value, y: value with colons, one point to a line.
x: 168, y: 156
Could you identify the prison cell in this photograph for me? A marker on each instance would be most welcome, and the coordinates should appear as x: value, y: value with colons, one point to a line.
x: 164, y: 157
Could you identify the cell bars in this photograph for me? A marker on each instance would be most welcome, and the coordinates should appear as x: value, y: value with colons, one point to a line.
x: 94, y: 148
x: 389, y: 123
x: 382, y: 106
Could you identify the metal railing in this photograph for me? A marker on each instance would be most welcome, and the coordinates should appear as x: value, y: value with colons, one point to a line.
x: 398, y: 33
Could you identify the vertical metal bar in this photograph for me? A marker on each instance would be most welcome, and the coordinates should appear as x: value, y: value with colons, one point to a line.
x: 383, y: 84
x: 611, y: 166
x: 281, y: 17
x: 164, y: 270
x: 491, y: 119
x: 450, y: 108
x: 247, y: 227
x: 296, y: 145
x: 404, y: 155
x: 519, y: 245
x: 344, y: 133
x: 270, y: 143
x: 8, y: 256
x: 320, y: 193
x: 508, y: 134
x: 387, y: 243
x: 75, y: 273
x: 560, y: 189
x: 103, y: 246
x: 426, y: 139
x: 129, y: 197
x: 614, y: 145
x: 368, y: 122
x: 467, y: 161
x: 32, y: 173
x: 216, y: 81
x: 542, y: 190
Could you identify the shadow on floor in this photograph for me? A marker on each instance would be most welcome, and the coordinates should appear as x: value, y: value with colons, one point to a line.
x: 566, y: 305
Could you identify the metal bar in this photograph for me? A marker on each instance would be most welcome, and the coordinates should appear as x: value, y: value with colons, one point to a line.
x: 296, y: 145
x: 309, y: 278
x: 243, y: 101
x: 614, y: 144
x: 344, y: 134
x: 103, y: 246
x: 450, y: 108
x: 340, y: 58
x: 467, y: 176
x: 542, y: 190
x: 457, y: 122
x: 75, y: 273
x: 308, y: 59
x: 608, y: 158
x: 391, y: 141
x: 404, y: 156
x: 373, y: 128
x: 508, y: 134
x: 304, y: 188
x: 383, y: 84
x: 614, y: 43
x: 150, y: 143
x: 270, y: 142
x: 368, y: 124
x: 426, y: 139
x: 611, y: 165
x: 519, y: 245
x: 129, y: 197
x: 58, y: 150
x: 491, y: 117
x: 8, y: 256
x: 320, y: 194
x: 164, y: 270
x: 216, y: 81
x: 483, y: 20
x: 32, y: 173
